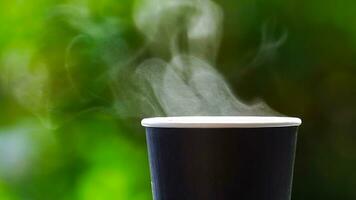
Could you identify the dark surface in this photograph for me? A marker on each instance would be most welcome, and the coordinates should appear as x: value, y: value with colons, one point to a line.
x: 230, y: 163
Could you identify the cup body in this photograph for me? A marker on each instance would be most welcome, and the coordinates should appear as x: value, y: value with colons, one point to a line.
x: 244, y: 163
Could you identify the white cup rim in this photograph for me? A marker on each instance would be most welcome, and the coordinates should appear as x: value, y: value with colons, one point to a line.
x: 220, y: 122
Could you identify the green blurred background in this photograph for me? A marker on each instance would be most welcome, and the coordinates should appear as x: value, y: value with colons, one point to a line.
x: 61, y: 134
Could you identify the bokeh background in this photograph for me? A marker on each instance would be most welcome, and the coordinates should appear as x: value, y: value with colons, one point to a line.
x: 62, y: 134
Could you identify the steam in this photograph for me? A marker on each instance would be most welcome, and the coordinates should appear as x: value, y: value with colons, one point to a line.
x: 173, y: 25
x: 173, y: 74
x: 269, y: 44
x: 180, y: 80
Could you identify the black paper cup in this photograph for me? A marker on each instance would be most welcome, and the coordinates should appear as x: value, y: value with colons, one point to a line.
x: 206, y: 158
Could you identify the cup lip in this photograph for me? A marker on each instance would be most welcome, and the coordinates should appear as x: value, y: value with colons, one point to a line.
x: 220, y: 122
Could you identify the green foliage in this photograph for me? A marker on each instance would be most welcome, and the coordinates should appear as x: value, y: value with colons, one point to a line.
x: 62, y: 73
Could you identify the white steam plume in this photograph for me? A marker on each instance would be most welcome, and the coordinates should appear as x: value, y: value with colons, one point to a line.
x: 180, y: 80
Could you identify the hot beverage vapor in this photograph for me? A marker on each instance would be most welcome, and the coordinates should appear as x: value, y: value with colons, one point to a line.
x: 179, y: 79
x: 173, y: 73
